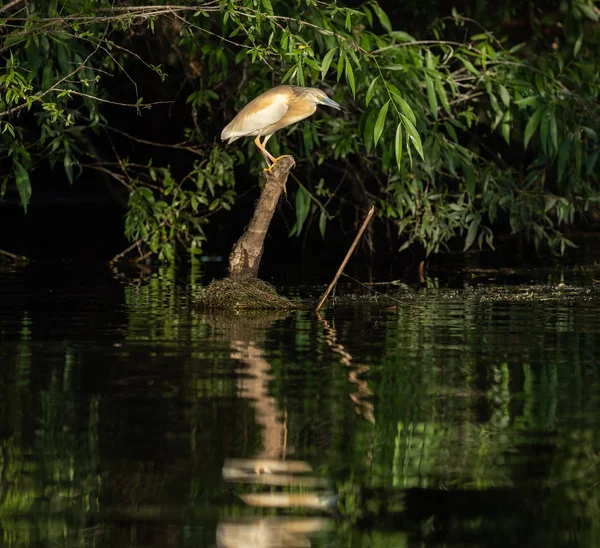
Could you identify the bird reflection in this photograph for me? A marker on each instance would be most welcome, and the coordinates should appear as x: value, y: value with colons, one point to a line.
x: 270, y: 468
x: 272, y: 532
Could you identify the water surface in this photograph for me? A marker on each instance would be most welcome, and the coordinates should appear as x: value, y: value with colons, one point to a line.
x: 463, y: 417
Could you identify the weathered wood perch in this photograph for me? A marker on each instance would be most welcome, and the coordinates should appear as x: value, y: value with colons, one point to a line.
x: 242, y: 288
x: 245, y: 257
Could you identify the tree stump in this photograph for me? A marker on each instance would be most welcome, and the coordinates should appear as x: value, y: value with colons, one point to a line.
x: 246, y: 254
x: 242, y: 288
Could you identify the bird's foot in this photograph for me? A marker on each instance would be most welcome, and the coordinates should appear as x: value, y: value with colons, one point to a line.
x: 268, y: 169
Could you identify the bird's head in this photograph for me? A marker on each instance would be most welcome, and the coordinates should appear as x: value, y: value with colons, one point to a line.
x: 320, y: 98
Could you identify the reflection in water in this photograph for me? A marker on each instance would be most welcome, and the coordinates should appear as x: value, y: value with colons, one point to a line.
x: 268, y: 468
x: 272, y: 532
x: 129, y: 419
x: 254, y: 386
x: 362, y: 405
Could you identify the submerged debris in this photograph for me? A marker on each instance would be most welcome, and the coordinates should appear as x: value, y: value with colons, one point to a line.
x: 251, y: 293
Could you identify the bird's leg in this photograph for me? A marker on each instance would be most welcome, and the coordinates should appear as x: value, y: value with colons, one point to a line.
x: 267, y: 154
x: 268, y: 158
x: 271, y: 157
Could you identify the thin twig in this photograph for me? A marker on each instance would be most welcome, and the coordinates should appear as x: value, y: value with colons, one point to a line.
x: 10, y: 5
x: 347, y: 257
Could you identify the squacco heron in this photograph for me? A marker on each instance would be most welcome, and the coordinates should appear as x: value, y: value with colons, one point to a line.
x: 273, y: 110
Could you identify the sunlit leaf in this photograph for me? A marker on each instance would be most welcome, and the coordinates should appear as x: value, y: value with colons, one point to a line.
x: 322, y: 223
x: 404, y: 106
x: 401, y: 36
x: 268, y: 7
x: 398, y: 145
x: 505, y: 129
x: 504, y: 95
x: 350, y: 78
x: 528, y: 101
x: 340, y: 65
x: 382, y: 16
x: 588, y: 11
x: 371, y: 91
x: 431, y: 96
x: 577, y: 45
x: 327, y: 62
x: 380, y: 123
x: 413, y: 135
x: 439, y: 87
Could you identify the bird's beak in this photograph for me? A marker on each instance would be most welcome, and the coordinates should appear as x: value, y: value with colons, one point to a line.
x: 331, y: 103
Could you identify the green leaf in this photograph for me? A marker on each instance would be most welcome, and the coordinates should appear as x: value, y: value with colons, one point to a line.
x: 382, y: 16
x: 469, y: 66
x: 322, y: 223
x: 312, y: 64
x: 470, y: 180
x: 348, y: 24
x: 588, y: 11
x: 472, y: 234
x: 63, y: 60
x: 505, y: 129
x: 451, y: 131
x: 371, y: 91
x: 350, y: 78
x: 327, y: 62
x: 289, y: 74
x: 528, y: 101
x: 554, y: 132
x: 401, y: 36
x: 577, y: 144
x: 68, y: 162
x: 380, y: 123
x: 398, y: 145
x: 33, y: 61
x: 413, y: 135
x: 302, y: 208
x: 533, y: 124
x: 577, y: 45
x: 268, y: 7
x: 23, y: 184
x: 431, y: 96
x: 590, y: 133
x: 340, y: 65
x: 300, y: 73
x: 368, y: 131
x: 504, y: 95
x: 544, y: 133
x: 442, y: 95
x: 403, y: 105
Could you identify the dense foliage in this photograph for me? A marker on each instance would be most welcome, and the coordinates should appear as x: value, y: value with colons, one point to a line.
x: 455, y: 127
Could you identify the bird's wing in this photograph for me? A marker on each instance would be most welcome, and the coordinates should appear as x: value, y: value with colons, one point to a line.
x: 258, y: 114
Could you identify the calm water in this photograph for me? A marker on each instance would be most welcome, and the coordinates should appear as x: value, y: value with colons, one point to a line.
x: 465, y: 417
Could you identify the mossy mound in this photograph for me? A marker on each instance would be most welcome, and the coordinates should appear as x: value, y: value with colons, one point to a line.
x: 251, y: 294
